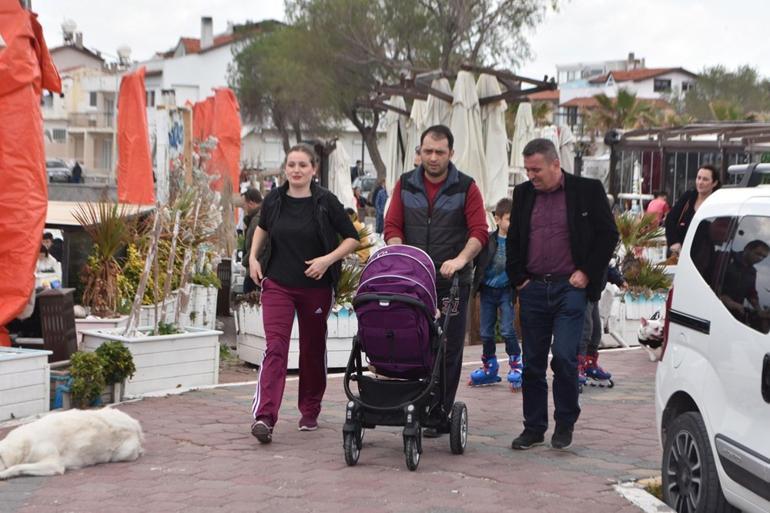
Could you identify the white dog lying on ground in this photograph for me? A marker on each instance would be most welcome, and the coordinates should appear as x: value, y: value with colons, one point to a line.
x: 68, y: 440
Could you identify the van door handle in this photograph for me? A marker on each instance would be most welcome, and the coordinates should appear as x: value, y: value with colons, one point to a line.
x: 766, y: 378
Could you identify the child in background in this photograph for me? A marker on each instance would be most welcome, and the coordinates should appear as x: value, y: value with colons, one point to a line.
x: 491, y: 281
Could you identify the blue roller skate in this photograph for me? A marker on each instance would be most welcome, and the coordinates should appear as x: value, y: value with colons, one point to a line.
x: 596, y: 376
x: 514, y: 375
x: 487, y: 373
x: 581, y: 372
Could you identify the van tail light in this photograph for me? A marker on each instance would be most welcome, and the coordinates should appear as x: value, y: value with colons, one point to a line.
x: 666, y: 322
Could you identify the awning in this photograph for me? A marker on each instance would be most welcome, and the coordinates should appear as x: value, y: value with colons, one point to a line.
x: 60, y: 212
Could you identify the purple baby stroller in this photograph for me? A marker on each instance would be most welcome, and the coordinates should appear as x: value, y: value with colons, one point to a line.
x: 396, y: 306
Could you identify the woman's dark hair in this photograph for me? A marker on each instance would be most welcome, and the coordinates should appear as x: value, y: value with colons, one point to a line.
x: 714, y: 175
x: 44, y: 249
x: 306, y: 149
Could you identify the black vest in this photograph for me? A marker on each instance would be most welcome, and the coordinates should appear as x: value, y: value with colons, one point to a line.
x: 442, y: 232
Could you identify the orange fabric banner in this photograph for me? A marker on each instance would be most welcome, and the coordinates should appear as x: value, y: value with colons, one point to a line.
x: 135, y: 183
x: 226, y: 127
x: 25, y: 69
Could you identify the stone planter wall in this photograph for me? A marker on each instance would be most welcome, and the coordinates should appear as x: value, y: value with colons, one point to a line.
x: 24, y: 382
x: 166, y: 362
x: 341, y: 326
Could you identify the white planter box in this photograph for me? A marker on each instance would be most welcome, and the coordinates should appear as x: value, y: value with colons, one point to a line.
x: 201, y: 310
x: 147, y: 312
x: 250, y: 336
x: 24, y: 382
x: 166, y: 362
x: 97, y: 323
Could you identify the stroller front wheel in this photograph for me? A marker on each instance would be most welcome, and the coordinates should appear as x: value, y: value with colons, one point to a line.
x: 412, y: 451
x: 352, y: 446
x: 458, y: 428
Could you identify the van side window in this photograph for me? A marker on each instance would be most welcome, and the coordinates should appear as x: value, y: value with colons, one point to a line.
x: 709, y: 248
x: 745, y: 288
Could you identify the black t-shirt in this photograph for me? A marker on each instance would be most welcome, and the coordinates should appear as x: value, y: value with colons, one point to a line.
x: 294, y: 239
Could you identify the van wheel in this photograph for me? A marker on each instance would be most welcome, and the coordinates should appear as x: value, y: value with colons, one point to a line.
x: 690, y: 480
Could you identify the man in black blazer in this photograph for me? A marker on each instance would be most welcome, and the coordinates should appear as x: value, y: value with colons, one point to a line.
x: 560, y: 241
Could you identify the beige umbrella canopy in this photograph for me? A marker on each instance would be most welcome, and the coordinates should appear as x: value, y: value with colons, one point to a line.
x: 495, y: 141
x: 438, y: 111
x: 395, y: 128
x: 339, y: 176
x: 415, y: 125
x: 523, y: 132
x: 466, y: 128
x: 567, y: 149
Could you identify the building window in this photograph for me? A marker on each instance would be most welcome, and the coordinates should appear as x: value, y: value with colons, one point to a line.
x: 59, y: 135
x: 687, y: 86
x: 572, y: 116
x: 662, y: 85
x: 151, y: 98
x: 92, y: 99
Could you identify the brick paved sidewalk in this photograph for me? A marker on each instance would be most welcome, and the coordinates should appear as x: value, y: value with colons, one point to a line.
x: 200, y: 457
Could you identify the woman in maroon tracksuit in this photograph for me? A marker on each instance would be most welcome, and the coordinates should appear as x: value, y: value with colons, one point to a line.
x: 302, y: 224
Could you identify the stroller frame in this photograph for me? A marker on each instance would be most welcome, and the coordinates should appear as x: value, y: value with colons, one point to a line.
x: 422, y: 407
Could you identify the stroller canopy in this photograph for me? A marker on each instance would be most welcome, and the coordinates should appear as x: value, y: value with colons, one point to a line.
x: 403, y: 270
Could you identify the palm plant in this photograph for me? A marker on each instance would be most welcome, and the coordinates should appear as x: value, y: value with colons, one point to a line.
x: 636, y: 233
x: 624, y: 111
x: 108, y: 227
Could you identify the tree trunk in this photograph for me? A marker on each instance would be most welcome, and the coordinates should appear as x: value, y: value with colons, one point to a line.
x: 369, y: 134
x: 280, y: 125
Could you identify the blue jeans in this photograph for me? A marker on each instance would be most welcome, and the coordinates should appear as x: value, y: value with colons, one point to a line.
x: 552, y: 317
x: 492, y: 299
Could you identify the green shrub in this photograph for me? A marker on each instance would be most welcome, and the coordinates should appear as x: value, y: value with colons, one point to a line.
x: 87, y: 378
x: 117, y: 362
x: 206, y: 279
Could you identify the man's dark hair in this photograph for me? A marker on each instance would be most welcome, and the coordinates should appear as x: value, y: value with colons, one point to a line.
x: 349, y: 211
x: 756, y: 244
x: 44, y: 249
x: 439, y: 132
x: 417, y: 150
x: 48, y: 236
x: 252, y: 194
x: 657, y: 194
x: 544, y: 147
x: 503, y: 207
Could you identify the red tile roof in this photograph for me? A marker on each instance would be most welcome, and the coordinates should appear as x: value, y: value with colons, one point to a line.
x: 636, y: 75
x: 545, y: 96
x: 589, y: 102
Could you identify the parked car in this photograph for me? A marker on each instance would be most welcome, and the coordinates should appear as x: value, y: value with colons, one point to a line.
x: 712, y: 393
x: 366, y: 183
x: 58, y: 170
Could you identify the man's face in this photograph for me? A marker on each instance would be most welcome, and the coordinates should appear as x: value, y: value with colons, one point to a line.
x: 252, y: 206
x: 435, y: 155
x: 545, y: 175
x: 756, y: 254
x: 503, y: 223
x: 47, y: 243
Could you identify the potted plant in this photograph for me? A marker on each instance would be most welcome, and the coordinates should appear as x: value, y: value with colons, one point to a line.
x: 117, y: 365
x: 109, y: 227
x: 86, y: 379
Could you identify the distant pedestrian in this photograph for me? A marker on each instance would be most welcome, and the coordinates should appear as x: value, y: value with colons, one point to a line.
x: 379, y: 200
x: 252, y: 202
x: 303, y: 223
x: 559, y: 244
x: 356, y: 171
x: 659, y: 206
x: 76, y: 175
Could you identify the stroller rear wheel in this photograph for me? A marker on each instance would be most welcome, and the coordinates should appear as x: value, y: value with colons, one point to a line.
x: 458, y: 428
x: 351, y: 443
x: 412, y: 451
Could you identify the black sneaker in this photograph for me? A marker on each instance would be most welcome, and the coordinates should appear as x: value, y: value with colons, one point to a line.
x: 527, y: 439
x: 562, y: 437
x: 262, y: 432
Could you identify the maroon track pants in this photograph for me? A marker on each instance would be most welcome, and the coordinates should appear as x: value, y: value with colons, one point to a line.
x: 279, y: 305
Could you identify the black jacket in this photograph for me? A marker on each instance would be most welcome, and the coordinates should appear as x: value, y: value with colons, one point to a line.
x: 329, y: 213
x: 680, y: 217
x: 592, y: 231
x: 482, y: 260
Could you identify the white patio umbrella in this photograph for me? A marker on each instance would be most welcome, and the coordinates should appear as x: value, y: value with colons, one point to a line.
x: 523, y: 132
x: 567, y: 149
x: 466, y: 128
x: 414, y: 128
x: 549, y: 132
x: 339, y: 176
x: 439, y: 112
x: 395, y: 149
x: 495, y: 141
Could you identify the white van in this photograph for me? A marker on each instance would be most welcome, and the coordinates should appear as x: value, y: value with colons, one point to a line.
x: 712, y: 394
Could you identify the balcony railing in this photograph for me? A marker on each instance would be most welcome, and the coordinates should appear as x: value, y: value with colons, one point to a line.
x: 92, y: 119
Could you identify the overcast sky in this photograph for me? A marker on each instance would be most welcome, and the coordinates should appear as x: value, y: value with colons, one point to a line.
x: 689, y: 33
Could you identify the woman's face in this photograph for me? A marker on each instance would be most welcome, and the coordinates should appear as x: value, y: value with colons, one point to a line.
x: 704, y: 182
x: 299, y: 170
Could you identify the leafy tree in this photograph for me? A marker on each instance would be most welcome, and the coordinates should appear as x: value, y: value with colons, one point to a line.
x: 339, y: 51
x: 721, y: 95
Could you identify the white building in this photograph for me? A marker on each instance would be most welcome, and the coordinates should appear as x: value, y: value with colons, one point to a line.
x: 195, y: 66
